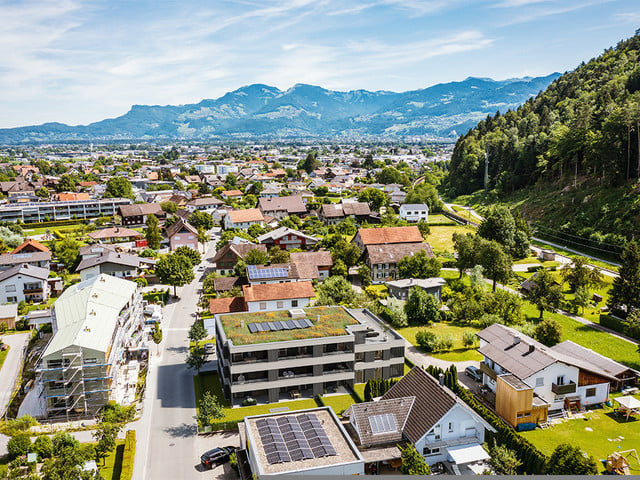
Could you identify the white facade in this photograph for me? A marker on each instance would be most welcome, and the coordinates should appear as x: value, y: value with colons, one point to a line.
x: 271, y: 305
x: 94, y: 271
x: 206, y: 169
x: 15, y: 289
x: 459, y: 426
x: 228, y: 223
x: 412, y: 212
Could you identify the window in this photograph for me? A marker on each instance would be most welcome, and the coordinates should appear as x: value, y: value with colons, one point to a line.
x: 437, y: 431
x: 263, y: 305
x: 450, y: 429
x: 523, y: 415
x: 560, y: 380
x: 279, y: 304
x: 177, y: 237
x: 294, y: 303
x: 9, y: 288
x: 540, y: 382
x: 591, y: 392
x: 431, y: 451
x: 12, y: 299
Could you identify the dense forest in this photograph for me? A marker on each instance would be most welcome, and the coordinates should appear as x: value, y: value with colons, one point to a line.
x: 582, y: 132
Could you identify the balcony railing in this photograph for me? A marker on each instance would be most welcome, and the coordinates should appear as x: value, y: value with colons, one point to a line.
x: 563, y: 389
x: 32, y: 291
x: 486, y: 369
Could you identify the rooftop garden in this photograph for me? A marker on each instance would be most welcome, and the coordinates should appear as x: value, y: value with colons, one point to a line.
x: 327, y: 322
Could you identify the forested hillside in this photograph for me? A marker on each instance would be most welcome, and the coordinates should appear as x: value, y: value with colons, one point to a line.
x: 578, y: 138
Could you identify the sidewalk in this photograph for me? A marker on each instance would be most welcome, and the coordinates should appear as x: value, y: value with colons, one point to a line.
x: 11, y: 367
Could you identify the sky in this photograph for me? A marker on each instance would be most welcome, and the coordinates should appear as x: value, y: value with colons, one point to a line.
x: 81, y: 61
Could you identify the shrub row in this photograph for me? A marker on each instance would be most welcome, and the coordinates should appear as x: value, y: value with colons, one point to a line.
x: 620, y: 326
x: 533, y: 460
x: 128, y: 455
x: 377, y: 388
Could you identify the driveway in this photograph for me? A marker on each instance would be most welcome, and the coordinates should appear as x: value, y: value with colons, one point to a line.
x: 207, y: 442
x: 11, y: 366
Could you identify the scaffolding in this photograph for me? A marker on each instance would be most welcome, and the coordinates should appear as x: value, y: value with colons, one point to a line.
x: 77, y: 388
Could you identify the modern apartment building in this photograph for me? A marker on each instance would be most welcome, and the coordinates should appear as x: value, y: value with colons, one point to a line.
x: 34, y: 212
x: 93, y: 326
x: 303, y: 352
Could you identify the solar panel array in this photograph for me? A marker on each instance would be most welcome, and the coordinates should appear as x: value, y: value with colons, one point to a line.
x: 290, y: 439
x: 385, y: 423
x: 255, y: 273
x: 279, y: 325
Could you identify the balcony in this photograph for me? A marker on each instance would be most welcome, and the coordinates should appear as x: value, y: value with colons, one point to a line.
x: 486, y: 369
x: 563, y: 389
x: 32, y: 290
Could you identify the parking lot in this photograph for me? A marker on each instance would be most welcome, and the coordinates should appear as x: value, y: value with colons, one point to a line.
x: 207, y: 442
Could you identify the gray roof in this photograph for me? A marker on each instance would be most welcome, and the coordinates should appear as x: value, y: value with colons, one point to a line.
x: 290, y: 204
x: 25, y: 269
x: 281, y: 232
x: 97, y: 249
x: 394, y: 252
x: 205, y: 201
x: 416, y: 206
x: 115, y: 258
x: 515, y: 382
x: 12, y: 259
x: 418, y: 282
x: 590, y: 360
x: 9, y: 311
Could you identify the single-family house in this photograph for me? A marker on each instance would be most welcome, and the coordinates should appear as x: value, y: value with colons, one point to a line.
x: 334, y: 213
x: 320, y: 260
x: 30, y: 246
x: 36, y: 259
x: 401, y: 288
x: 204, y: 203
x: 382, y: 259
x: 182, y: 233
x: 281, y: 207
x: 231, y: 194
x: 136, y: 214
x: 243, y: 218
x: 287, y: 239
x: 414, y: 212
x: 227, y: 257
x: 24, y: 282
x: 387, y: 235
x: 277, y: 296
x: 115, y: 235
x: 280, y: 273
x: 119, y: 265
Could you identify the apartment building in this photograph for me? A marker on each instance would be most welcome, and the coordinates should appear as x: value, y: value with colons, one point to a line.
x: 414, y: 212
x: 83, y: 364
x: 303, y: 352
x: 34, y: 212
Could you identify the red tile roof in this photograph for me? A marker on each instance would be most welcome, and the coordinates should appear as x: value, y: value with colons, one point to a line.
x: 248, y: 215
x: 30, y: 243
x: 278, y: 291
x: 377, y: 236
x: 227, y: 305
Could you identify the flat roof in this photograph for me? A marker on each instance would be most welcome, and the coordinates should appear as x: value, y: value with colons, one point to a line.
x: 346, y: 451
x: 327, y: 322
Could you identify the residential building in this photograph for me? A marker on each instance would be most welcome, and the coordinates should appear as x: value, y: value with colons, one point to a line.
x: 204, y: 203
x: 227, y: 305
x: 226, y: 258
x: 232, y: 194
x: 182, y: 233
x: 119, y: 265
x: 35, y: 259
x: 280, y: 273
x: 400, y: 289
x: 421, y: 410
x: 30, y: 246
x: 334, y: 213
x: 281, y: 207
x: 97, y: 249
x: 321, y: 261
x: 383, y: 259
x: 414, y: 212
x: 82, y: 366
x: 115, y: 235
x: 322, y: 446
x: 34, y: 212
x: 387, y: 236
x: 274, y: 355
x: 243, y: 219
x: 9, y: 314
x: 277, y: 296
x: 530, y: 379
x: 137, y: 214
x: 287, y: 239
x: 24, y: 282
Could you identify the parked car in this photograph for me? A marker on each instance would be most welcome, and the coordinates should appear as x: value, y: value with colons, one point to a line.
x: 216, y: 456
x: 209, y: 348
x: 474, y: 372
x: 201, y: 268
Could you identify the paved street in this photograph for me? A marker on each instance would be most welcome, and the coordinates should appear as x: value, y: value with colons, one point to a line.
x: 11, y: 366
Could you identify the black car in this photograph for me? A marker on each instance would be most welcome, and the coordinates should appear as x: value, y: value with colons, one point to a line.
x: 216, y: 456
x: 474, y: 372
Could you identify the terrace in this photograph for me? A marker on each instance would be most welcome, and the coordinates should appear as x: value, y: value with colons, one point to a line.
x: 327, y: 322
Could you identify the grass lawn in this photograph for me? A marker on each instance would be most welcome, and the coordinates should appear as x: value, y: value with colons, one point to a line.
x: 113, y: 463
x: 436, y: 218
x: 381, y: 290
x: 440, y: 237
x: 590, y: 313
x: 3, y: 356
x: 339, y: 403
x: 604, y: 427
x: 459, y: 352
x: 211, y: 383
x: 64, y: 229
x: 359, y: 388
x: 567, y: 253
x: 600, y: 342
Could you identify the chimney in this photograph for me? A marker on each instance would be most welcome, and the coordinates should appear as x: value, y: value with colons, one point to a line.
x: 441, y: 378
x: 516, y: 339
x: 318, y: 318
x: 531, y: 348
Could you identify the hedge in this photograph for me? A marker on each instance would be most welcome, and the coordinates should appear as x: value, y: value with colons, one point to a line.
x: 533, y: 460
x: 620, y: 326
x: 128, y: 455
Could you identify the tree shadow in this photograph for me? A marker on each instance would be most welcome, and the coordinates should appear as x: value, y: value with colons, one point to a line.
x: 182, y: 431
x: 117, y: 465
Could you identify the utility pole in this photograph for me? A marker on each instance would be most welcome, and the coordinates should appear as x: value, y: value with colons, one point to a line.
x: 486, y: 170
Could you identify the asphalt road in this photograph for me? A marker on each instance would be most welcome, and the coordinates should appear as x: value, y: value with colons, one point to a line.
x: 11, y: 366
x: 168, y: 447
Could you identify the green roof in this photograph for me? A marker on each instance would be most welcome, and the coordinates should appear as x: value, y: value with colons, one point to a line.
x: 327, y: 322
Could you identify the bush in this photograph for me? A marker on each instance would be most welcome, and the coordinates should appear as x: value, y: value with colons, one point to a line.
x: 141, y: 282
x: 488, y: 319
x: 249, y: 401
x: 43, y: 447
x: 19, y: 425
x: 534, y: 268
x: 469, y: 338
x: 431, y: 342
x: 19, y: 445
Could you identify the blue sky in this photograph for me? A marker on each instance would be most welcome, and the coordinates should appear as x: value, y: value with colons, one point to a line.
x: 77, y: 61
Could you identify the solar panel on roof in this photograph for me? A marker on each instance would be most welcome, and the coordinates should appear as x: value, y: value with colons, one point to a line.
x: 252, y: 328
x: 385, y: 423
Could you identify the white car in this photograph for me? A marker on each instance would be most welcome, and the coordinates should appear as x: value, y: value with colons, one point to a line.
x: 209, y: 348
x: 201, y: 268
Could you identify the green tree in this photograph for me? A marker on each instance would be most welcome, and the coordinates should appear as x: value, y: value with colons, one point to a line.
x: 43, y: 447
x: 581, y: 298
x: 570, y: 460
x: 581, y: 275
x: 43, y: 193
x: 152, y: 233
x: 365, y: 275
x: 68, y: 460
x: 19, y: 445
x: 67, y: 183
x: 310, y: 163
x: 169, y: 207
x: 467, y: 246
x: 495, y: 262
x: 67, y: 251
x: 256, y: 257
x: 374, y: 197
x: 349, y: 253
x: 625, y: 292
x: 197, y: 333
x: 195, y: 359
x: 544, y: 292
x: 9, y: 238
x: 209, y: 410
x: 190, y: 254
x: 335, y: 290
x: 156, y: 334
x: 549, y: 332
x: 174, y: 270
x: 118, y: 187
x: 504, y: 461
x: 412, y: 462
x: 279, y: 255
x: 424, y: 228
x: 201, y: 220
x: 339, y: 268
x: 106, y: 435
x: 421, y: 307
x: 419, y: 265
x: 427, y: 194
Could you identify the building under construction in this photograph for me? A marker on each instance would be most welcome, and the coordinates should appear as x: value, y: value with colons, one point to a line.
x: 93, y: 322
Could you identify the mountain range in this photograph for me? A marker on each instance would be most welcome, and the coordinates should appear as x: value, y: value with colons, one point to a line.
x: 442, y: 111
